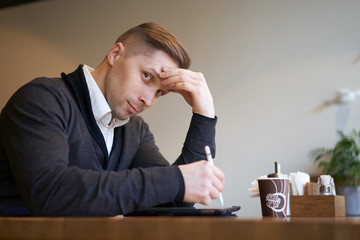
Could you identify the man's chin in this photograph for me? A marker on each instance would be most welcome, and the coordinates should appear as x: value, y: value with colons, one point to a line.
x: 121, y: 116
x: 124, y: 115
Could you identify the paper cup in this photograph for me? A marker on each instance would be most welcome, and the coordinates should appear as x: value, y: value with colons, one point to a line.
x: 274, y: 196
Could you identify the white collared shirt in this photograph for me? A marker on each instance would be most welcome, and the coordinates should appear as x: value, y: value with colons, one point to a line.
x: 101, y: 110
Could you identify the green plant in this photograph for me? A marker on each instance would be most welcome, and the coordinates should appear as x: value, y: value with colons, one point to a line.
x: 341, y: 162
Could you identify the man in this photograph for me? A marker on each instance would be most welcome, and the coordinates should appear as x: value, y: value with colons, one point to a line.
x: 73, y: 146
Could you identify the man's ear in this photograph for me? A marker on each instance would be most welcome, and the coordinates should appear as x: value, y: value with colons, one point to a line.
x: 118, y: 50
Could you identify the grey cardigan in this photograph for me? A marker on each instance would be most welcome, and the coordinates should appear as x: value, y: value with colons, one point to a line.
x: 54, y: 161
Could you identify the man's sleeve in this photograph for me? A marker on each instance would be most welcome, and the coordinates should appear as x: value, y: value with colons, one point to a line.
x: 201, y: 133
x: 35, y: 135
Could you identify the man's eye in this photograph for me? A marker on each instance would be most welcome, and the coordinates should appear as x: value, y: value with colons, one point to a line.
x: 147, y: 76
x: 159, y: 93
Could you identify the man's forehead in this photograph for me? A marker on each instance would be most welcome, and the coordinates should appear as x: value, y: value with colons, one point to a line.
x: 158, y: 57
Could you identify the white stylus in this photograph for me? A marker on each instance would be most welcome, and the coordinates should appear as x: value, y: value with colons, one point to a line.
x: 210, y: 159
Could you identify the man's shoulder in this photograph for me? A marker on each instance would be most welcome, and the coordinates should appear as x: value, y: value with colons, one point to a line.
x: 136, y: 124
x: 41, y: 92
x: 136, y: 121
x: 44, y: 85
x: 51, y: 82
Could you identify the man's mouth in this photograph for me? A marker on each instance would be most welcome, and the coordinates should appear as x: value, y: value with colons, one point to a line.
x: 132, y: 109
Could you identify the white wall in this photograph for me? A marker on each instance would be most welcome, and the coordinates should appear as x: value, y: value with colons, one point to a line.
x: 271, y: 65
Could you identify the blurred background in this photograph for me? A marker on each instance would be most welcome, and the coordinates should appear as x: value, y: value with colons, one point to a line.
x: 274, y: 68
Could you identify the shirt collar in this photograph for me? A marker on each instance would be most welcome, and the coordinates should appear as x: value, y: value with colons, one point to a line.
x: 99, y: 105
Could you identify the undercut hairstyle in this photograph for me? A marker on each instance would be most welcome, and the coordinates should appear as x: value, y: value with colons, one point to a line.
x: 147, y: 37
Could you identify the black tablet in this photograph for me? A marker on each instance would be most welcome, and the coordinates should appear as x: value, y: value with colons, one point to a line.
x: 186, y: 211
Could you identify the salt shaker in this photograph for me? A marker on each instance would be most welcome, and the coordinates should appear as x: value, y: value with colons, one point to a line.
x: 326, y: 185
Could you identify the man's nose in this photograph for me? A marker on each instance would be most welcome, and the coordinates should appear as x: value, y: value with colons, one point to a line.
x: 147, y: 99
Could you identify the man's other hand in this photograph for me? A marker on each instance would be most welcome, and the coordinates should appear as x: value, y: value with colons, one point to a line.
x: 203, y: 182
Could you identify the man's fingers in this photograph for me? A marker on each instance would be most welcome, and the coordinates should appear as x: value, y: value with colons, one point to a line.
x: 219, y: 174
x: 214, y: 192
x: 184, y: 87
x: 180, y: 79
x: 170, y: 72
x: 206, y: 201
x: 218, y: 180
x: 203, y: 182
x: 174, y: 75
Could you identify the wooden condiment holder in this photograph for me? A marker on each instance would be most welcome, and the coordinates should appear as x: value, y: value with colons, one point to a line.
x: 317, y: 206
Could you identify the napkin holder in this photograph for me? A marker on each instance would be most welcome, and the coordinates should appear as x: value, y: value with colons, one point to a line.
x: 317, y: 206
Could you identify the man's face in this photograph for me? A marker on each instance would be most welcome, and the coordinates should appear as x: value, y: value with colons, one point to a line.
x: 133, y: 84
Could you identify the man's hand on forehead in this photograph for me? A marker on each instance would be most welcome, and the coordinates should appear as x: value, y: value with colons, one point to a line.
x: 163, y: 75
x: 192, y: 86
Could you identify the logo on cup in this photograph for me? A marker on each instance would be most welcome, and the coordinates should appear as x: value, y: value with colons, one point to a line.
x: 276, y: 201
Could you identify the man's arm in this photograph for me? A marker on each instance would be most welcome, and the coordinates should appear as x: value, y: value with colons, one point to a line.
x: 201, y: 133
x: 36, y: 132
x: 208, y: 181
x: 194, y: 89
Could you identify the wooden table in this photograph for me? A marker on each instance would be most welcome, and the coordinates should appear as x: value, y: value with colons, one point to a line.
x: 190, y: 228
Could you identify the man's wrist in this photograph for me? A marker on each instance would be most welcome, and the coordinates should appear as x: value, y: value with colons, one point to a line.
x: 205, y: 116
x: 210, y: 113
